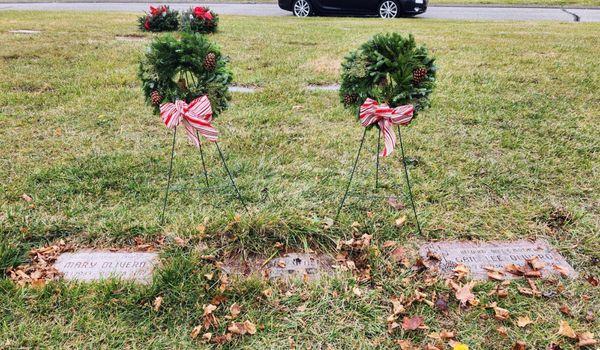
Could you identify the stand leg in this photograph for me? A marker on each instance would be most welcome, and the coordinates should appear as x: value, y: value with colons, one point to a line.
x: 231, y: 177
x: 162, y: 217
x: 362, y: 141
x: 377, y: 161
x: 412, y: 202
x: 202, y: 157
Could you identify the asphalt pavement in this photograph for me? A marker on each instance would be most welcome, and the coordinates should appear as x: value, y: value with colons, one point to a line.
x: 485, y: 13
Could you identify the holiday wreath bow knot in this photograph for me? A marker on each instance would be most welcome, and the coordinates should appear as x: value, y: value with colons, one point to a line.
x: 372, y: 112
x: 195, y: 117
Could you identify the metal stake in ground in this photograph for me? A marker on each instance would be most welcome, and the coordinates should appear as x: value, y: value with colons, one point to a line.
x: 377, y: 161
x: 231, y: 177
x: 362, y: 141
x: 202, y: 157
x: 412, y: 202
x: 162, y: 217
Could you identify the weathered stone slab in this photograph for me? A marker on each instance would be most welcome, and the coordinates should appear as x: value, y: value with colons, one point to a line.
x: 332, y: 87
x: 25, y: 31
x: 131, y: 37
x: 498, y: 254
x: 98, y: 265
x: 296, y: 265
x: 242, y: 89
x: 286, y: 267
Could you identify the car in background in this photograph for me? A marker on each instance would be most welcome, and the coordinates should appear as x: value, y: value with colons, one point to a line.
x: 381, y: 8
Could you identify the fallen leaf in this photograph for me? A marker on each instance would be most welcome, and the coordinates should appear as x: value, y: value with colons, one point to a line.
x: 524, y: 321
x: 514, y: 269
x: 397, y: 307
x: 208, y: 309
x: 357, y: 291
x: 237, y: 328
x: 250, y: 327
x: 412, y: 323
x: 395, y: 203
x: 406, y: 344
x: 500, y: 313
x: 560, y: 269
x: 566, y: 330
x: 157, y: 303
x: 442, y: 304
x: 235, y: 310
x: 593, y: 280
x: 327, y: 223
x: 464, y: 294
x: 207, y: 336
x: 180, y: 241
x: 400, y: 221
x: 502, y: 331
x: 535, y: 263
x: 495, y: 275
x: 389, y: 244
x: 26, y: 197
x: 267, y: 292
x: 519, y: 346
x: 564, y: 308
x: 398, y: 254
x: 196, y: 331
x: 586, y: 339
x: 554, y: 346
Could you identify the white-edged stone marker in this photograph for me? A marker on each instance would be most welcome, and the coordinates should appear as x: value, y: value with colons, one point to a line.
x: 242, y: 89
x: 331, y: 87
x: 94, y: 265
x: 497, y: 254
x: 24, y: 31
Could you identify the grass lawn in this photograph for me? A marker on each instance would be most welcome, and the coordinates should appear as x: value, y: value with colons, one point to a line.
x: 510, y: 149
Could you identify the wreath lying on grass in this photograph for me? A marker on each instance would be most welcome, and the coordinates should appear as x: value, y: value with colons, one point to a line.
x: 200, y: 20
x: 390, y: 69
x: 159, y: 19
x: 185, y: 69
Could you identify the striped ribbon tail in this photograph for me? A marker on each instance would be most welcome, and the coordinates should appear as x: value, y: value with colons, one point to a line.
x: 195, y: 117
x: 371, y: 112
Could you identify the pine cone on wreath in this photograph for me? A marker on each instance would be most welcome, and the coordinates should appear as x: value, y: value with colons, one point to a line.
x: 156, y: 97
x: 419, y: 75
x: 210, y: 61
x: 350, y: 99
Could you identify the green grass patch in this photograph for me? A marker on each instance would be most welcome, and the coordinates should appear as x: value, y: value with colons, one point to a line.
x: 511, y: 136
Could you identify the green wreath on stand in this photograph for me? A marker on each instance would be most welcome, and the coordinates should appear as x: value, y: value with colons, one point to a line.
x: 390, y: 69
x: 185, y: 69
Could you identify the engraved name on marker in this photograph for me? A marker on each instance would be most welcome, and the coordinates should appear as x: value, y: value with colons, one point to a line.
x: 497, y: 254
x: 99, y: 265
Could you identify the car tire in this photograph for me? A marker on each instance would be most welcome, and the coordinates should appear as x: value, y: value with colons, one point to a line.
x: 302, y: 8
x: 388, y: 9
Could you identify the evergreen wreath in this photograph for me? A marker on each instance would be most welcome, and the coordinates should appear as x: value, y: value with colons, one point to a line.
x: 200, y: 20
x: 185, y: 69
x: 390, y: 69
x: 159, y: 19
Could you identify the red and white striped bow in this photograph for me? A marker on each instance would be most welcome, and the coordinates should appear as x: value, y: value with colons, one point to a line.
x: 196, y: 117
x: 372, y: 112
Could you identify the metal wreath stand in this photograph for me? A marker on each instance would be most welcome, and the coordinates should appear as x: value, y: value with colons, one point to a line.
x: 362, y: 141
x: 169, y: 177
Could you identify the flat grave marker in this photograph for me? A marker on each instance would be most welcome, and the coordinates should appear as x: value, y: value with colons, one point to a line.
x: 497, y: 254
x: 331, y: 87
x: 242, y: 89
x: 296, y: 265
x: 91, y: 265
x: 24, y: 31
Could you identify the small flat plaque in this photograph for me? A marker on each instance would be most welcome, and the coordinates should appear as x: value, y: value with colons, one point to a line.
x: 497, y: 254
x: 98, y: 265
x: 296, y: 265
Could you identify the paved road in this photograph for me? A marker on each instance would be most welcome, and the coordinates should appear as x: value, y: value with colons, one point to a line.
x: 444, y: 12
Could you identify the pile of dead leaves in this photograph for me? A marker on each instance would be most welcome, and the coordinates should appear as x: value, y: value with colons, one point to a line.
x: 354, y: 256
x: 39, y: 270
x: 210, y: 321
